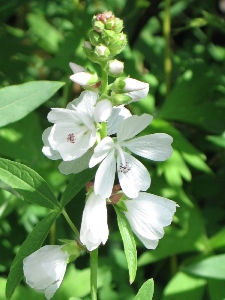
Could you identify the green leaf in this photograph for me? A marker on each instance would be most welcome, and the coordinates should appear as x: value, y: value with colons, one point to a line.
x: 76, y: 184
x: 184, y: 287
x: 17, y: 101
x: 27, y: 183
x: 33, y: 242
x: 211, y: 267
x: 217, y: 241
x: 146, y: 291
x: 128, y: 242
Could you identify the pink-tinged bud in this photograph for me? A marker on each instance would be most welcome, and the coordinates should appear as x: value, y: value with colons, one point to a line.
x: 103, y: 110
x: 82, y: 76
x: 115, y: 67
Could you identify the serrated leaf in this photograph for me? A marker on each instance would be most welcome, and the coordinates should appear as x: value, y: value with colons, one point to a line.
x: 128, y: 243
x: 27, y: 183
x: 146, y: 291
x: 76, y: 184
x: 17, y: 101
x: 210, y: 267
x: 32, y: 243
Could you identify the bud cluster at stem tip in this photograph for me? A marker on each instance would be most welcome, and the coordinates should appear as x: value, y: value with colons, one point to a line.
x: 106, y: 37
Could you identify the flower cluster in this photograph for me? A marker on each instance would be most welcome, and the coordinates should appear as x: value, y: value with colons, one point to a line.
x: 97, y: 129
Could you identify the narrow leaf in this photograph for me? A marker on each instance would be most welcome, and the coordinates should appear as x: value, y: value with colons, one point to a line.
x: 128, y: 243
x: 76, y: 184
x: 146, y: 291
x: 27, y: 183
x: 33, y: 242
x: 17, y: 101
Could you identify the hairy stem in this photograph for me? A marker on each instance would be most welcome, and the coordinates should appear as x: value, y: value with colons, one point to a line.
x: 104, y: 89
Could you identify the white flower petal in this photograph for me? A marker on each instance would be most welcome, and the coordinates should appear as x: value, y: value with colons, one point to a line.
x: 133, y: 176
x: 45, y: 268
x: 147, y: 215
x: 81, y: 78
x: 85, y: 102
x: 47, y: 150
x: 137, y: 95
x: 134, y: 85
x: 131, y: 126
x: 101, y: 151
x: 62, y: 115
x: 103, y: 110
x: 118, y: 114
x: 94, y: 227
x: 77, y: 165
x: 105, y: 175
x: 76, y: 68
x: 153, y: 146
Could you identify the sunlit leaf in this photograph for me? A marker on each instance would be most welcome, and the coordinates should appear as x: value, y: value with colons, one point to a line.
x: 146, y: 291
x: 27, y: 183
x: 19, y: 100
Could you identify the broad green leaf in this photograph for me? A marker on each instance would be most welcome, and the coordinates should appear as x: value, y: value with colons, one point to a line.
x: 146, y: 291
x: 27, y: 183
x: 184, y: 287
x: 76, y: 184
x: 190, y: 100
x: 17, y: 101
x: 217, y: 140
x: 32, y: 243
x: 128, y: 242
x: 211, y: 267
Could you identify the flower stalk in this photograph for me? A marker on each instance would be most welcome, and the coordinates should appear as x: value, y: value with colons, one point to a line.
x: 93, y: 273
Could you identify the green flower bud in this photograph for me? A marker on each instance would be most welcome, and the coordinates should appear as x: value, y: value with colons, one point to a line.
x: 119, y: 85
x: 108, y: 36
x: 95, y: 37
x: 119, y: 99
x: 102, y: 52
x: 118, y: 25
x: 90, y: 54
x: 98, y: 26
x: 119, y: 44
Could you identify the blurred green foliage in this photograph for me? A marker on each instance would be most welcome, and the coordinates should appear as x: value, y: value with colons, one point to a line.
x: 37, y: 41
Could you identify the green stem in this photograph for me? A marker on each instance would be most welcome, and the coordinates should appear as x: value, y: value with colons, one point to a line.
x: 166, y: 31
x: 71, y: 223
x: 104, y: 79
x: 94, y: 270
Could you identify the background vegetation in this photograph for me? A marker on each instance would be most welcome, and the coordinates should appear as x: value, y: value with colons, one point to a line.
x: 37, y: 41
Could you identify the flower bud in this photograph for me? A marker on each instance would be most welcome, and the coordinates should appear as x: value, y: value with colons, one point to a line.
x: 82, y: 76
x: 118, y: 44
x: 98, y: 26
x: 95, y: 37
x: 115, y: 67
x: 103, y: 110
x: 118, y: 25
x: 102, y: 52
x: 108, y: 37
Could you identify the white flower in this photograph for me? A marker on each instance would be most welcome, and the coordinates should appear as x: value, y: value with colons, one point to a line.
x: 82, y: 76
x: 75, y: 129
x: 131, y: 87
x: 94, y: 227
x: 45, y: 268
x: 147, y: 215
x: 133, y: 176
